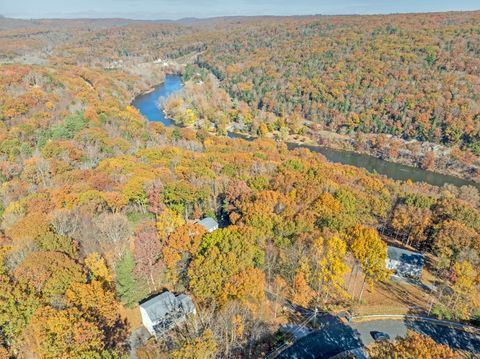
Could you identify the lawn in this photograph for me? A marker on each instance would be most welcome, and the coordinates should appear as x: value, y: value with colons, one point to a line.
x: 394, y: 297
x: 133, y: 317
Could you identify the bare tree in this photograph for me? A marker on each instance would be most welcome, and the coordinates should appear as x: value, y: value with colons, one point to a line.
x: 66, y: 221
x: 114, y: 229
x: 43, y: 171
x: 80, y: 227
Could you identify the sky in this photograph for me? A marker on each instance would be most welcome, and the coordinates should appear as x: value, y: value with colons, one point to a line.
x: 175, y: 9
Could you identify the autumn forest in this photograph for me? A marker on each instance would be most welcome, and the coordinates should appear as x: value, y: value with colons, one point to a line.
x: 100, y: 208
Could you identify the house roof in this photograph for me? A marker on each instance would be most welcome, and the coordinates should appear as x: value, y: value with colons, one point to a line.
x: 405, y: 256
x: 158, y: 307
x: 166, y: 306
x: 209, y: 223
x: 186, y: 303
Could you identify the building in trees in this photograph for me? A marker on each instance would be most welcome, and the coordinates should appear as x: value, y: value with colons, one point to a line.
x: 209, y: 223
x: 162, y: 312
x: 405, y: 263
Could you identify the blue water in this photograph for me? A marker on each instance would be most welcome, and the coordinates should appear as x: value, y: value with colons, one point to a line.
x: 148, y: 105
x: 389, y: 169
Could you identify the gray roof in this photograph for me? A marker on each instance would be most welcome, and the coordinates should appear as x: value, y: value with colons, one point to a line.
x: 405, y: 256
x: 209, y: 223
x: 158, y: 307
x: 186, y: 303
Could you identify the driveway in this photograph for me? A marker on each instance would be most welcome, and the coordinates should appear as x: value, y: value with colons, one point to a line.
x: 335, y: 337
x: 136, y: 339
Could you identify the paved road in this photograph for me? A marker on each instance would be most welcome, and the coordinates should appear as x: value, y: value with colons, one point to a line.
x: 394, y: 328
x: 335, y: 337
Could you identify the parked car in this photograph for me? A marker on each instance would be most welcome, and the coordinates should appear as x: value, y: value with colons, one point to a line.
x: 380, y: 336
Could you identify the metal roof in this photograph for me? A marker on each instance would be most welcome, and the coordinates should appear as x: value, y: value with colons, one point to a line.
x: 209, y: 223
x: 158, y: 307
x: 166, y: 306
x: 186, y: 303
x: 405, y: 256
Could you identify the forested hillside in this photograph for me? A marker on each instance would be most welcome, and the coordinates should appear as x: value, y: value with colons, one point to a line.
x: 98, y: 207
x: 407, y: 76
x: 413, y: 76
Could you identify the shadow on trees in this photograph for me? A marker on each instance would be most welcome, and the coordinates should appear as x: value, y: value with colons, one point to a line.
x: 455, y: 338
x: 332, y: 338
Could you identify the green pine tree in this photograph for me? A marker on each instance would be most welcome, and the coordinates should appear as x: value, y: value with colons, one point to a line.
x: 130, y: 288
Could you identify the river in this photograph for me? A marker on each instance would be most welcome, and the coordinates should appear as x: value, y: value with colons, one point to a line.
x: 148, y: 105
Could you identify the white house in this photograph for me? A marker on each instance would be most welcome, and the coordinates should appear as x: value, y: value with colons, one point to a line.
x: 164, y: 311
x: 209, y: 223
x: 405, y: 263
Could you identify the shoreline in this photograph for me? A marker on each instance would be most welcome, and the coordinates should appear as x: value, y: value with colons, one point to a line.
x: 149, y: 90
x: 338, y: 143
x: 450, y: 166
x: 308, y: 142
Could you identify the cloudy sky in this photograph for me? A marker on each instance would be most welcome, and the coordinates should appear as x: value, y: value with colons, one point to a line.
x: 175, y: 9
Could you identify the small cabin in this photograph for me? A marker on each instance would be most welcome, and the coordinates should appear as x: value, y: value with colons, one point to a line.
x: 209, y: 223
x: 405, y: 263
x: 162, y: 312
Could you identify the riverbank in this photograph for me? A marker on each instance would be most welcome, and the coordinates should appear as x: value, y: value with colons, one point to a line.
x: 343, y: 150
x: 335, y: 147
x: 203, y: 103
x: 150, y: 76
x: 147, y: 103
x: 428, y: 156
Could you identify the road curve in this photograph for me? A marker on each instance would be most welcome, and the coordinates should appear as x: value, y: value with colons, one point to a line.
x: 335, y: 336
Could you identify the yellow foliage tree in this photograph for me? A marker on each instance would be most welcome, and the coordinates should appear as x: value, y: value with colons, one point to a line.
x: 95, y: 301
x: 302, y: 292
x: 97, y: 267
x: 167, y: 222
x: 331, y: 267
x: 203, y: 347
x: 464, y: 287
x: 62, y: 334
x: 415, y: 346
x: 370, y: 252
